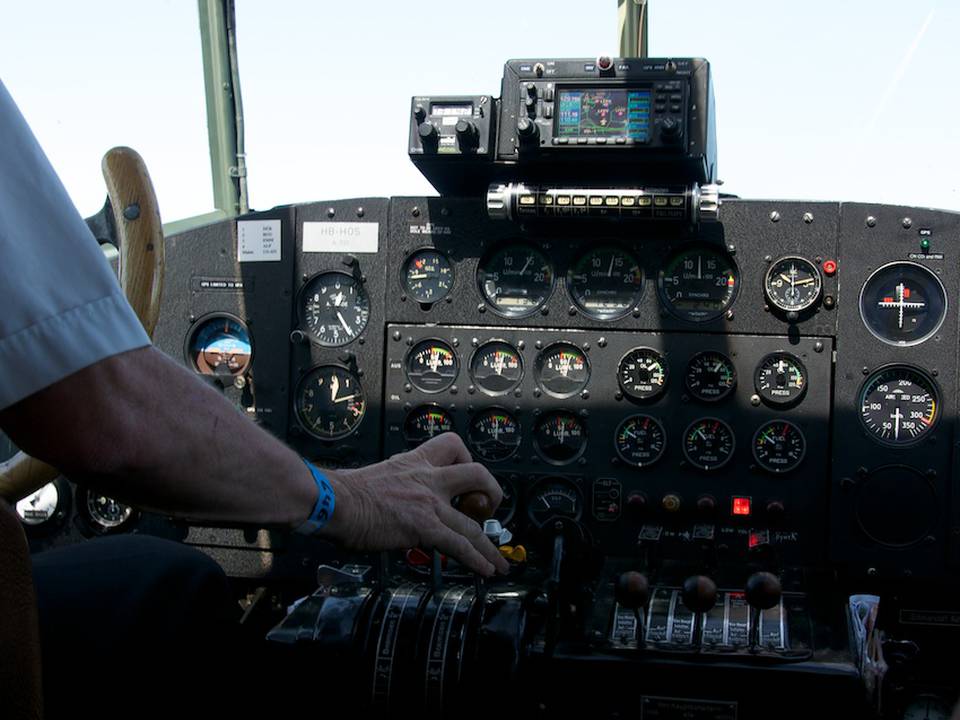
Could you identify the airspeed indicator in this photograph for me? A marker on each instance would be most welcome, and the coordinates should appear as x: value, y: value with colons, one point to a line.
x: 899, y: 405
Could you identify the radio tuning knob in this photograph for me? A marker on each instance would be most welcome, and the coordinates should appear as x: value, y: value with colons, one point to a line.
x: 428, y: 134
x: 419, y: 113
x: 467, y: 134
x: 532, y: 89
x: 670, y: 130
x: 527, y: 130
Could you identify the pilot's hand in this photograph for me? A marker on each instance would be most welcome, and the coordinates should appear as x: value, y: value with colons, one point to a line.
x: 405, y: 501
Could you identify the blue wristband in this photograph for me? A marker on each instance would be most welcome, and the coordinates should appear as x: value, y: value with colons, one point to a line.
x: 326, y: 502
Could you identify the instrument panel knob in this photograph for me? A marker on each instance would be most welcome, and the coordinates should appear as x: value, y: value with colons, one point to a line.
x: 763, y: 590
x: 671, y: 130
x: 699, y: 593
x: 428, y: 133
x: 467, y: 134
x: 420, y: 113
x: 527, y: 130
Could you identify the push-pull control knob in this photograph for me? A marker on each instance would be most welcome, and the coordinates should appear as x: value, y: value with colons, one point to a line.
x: 699, y: 594
x: 527, y: 131
x: 632, y: 590
x: 468, y: 135
x: 428, y: 134
x: 763, y: 590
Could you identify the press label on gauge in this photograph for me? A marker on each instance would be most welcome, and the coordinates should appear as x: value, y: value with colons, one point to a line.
x: 643, y: 374
x: 781, y: 379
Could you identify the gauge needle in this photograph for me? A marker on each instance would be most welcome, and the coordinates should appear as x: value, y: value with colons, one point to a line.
x: 418, y: 276
x: 344, y: 323
x: 526, y: 265
x: 345, y: 398
x: 610, y: 270
x: 334, y: 388
x: 896, y: 420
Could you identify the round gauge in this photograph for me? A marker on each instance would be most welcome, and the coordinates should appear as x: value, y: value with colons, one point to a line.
x: 779, y: 446
x: 425, y: 422
x: 642, y: 374
x: 494, y: 434
x: 708, y: 443
x: 516, y: 280
x: 899, y: 405
x: 496, y: 367
x: 792, y: 284
x: 552, y: 499
x: 508, y: 504
x: 40, y: 507
x: 219, y: 345
x: 334, y: 308
x: 927, y: 707
x: 699, y: 284
x: 903, y: 303
x: 427, y: 276
x: 640, y: 440
x: 559, y: 437
x: 330, y: 402
x: 562, y: 370
x: 106, y: 513
x: 710, y: 376
x: 432, y: 366
x: 606, y: 283
x: 781, y: 379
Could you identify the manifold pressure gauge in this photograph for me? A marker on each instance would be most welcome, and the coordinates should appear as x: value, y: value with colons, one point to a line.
x: 792, y: 284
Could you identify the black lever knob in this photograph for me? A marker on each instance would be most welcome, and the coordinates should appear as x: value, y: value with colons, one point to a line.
x: 699, y: 594
x: 763, y: 590
x: 632, y: 590
x: 420, y: 113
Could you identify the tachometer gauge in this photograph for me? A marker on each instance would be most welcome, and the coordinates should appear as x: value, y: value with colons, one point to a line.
x: 781, y: 379
x: 606, y: 283
x: 640, y: 440
x: 496, y: 367
x: 710, y: 376
x: 334, y: 308
x: 219, y: 345
x: 792, y: 284
x: 330, y: 402
x: 642, y: 374
x: 552, y: 500
x: 427, y: 276
x: 708, y: 443
x: 899, y: 405
x: 562, y: 370
x: 698, y: 284
x: 559, y: 437
x: 903, y: 303
x: 105, y: 514
x: 432, y: 366
x: 494, y: 435
x: 779, y: 446
x: 425, y: 422
x: 515, y: 280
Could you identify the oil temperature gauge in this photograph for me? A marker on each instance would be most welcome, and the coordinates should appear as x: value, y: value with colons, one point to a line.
x: 562, y: 370
x: 560, y: 437
x: 640, y: 440
x: 426, y: 422
x: 642, y: 374
x: 708, y: 444
x: 781, y: 379
x: 710, y: 376
x: 779, y: 446
x: 792, y: 284
x: 432, y: 366
x: 427, y: 276
x: 553, y: 499
x: 494, y: 435
x: 496, y: 367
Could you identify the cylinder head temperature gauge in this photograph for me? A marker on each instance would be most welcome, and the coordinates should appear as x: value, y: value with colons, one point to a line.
x: 899, y: 405
x: 792, y: 285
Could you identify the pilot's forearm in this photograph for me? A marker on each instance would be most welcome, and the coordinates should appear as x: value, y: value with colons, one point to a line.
x: 145, y: 430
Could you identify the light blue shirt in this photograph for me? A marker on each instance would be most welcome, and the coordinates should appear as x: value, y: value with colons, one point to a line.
x: 61, y: 307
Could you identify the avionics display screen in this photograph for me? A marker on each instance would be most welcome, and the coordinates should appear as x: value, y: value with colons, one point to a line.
x: 607, y: 113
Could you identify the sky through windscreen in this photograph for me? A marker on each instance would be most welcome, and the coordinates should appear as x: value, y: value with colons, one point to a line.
x: 816, y: 100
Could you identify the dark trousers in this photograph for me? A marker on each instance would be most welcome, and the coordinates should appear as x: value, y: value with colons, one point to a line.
x: 134, y: 626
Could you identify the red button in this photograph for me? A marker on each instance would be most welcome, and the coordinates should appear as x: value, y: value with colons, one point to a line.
x: 604, y: 63
x: 830, y: 267
x: 741, y: 506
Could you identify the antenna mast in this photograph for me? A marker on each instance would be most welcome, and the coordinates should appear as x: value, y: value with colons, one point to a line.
x: 632, y: 16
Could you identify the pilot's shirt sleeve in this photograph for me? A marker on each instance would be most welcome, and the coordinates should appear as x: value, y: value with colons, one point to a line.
x: 61, y: 306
